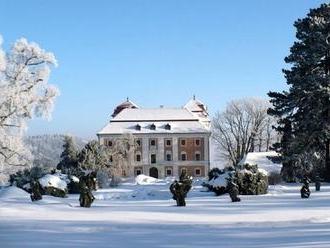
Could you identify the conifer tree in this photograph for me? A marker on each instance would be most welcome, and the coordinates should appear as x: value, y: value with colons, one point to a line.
x: 69, y: 158
x: 305, y: 105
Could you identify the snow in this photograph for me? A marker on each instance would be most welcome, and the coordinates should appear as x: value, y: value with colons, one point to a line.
x: 53, y: 181
x: 220, y: 181
x: 145, y: 180
x: 154, y: 114
x: 176, y: 127
x: 151, y: 219
x: 13, y: 192
x: 260, y: 159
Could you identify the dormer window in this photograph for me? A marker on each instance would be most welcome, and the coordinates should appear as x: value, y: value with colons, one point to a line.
x: 152, y: 127
x: 138, y: 127
x: 167, y: 127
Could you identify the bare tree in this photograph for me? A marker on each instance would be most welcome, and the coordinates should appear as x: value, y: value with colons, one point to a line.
x: 243, y: 126
x: 122, y: 156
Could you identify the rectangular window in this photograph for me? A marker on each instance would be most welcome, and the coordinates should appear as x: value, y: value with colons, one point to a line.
x: 197, y: 142
x: 168, y: 142
x: 168, y: 172
x: 197, y: 172
x: 183, y: 142
x: 197, y: 156
x: 168, y: 157
x: 138, y: 142
x: 153, y: 158
x: 138, y: 157
x: 108, y: 143
x: 138, y: 172
x: 183, y: 157
x: 152, y: 142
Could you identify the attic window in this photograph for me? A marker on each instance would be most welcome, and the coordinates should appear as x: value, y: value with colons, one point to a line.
x: 167, y: 127
x: 138, y: 127
x: 152, y: 127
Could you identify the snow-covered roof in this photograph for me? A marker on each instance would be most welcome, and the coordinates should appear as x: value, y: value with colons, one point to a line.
x: 165, y: 120
x: 128, y: 104
x: 262, y: 159
x: 195, y: 105
x: 175, y: 127
x: 154, y: 114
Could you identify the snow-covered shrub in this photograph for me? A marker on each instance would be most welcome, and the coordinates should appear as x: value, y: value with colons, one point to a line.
x: 53, y: 185
x: 73, y: 185
x: 249, y: 179
x: 22, y: 179
x: 218, y: 180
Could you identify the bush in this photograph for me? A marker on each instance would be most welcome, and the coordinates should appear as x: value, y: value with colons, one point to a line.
x: 250, y: 180
x: 73, y: 185
x: 22, y: 179
x: 53, y: 191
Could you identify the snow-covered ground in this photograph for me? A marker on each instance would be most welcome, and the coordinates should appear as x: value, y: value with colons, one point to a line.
x: 145, y: 216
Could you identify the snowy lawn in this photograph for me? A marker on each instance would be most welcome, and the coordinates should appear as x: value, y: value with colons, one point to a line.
x: 146, y: 216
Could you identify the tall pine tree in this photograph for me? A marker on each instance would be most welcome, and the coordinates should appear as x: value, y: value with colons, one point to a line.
x: 69, y: 158
x: 304, y: 108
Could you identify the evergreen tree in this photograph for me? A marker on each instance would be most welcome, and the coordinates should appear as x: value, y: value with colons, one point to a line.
x: 304, y: 109
x: 69, y: 160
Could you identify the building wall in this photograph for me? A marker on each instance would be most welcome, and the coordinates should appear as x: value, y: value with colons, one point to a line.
x: 160, y: 150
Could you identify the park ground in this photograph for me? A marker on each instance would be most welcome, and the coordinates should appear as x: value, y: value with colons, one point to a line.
x: 145, y: 216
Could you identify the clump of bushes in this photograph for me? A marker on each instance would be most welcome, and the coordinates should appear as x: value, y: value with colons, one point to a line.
x: 249, y: 179
x: 23, y: 178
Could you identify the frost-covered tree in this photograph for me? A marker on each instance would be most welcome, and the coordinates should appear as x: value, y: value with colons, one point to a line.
x: 122, y: 155
x: 305, y: 106
x: 24, y: 94
x: 243, y: 127
x: 94, y: 156
x: 114, y: 161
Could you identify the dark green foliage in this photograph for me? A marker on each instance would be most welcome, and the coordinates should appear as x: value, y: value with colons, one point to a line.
x: 305, y: 192
x: 54, y: 191
x: 304, y: 110
x: 35, y: 191
x: 214, y: 173
x: 180, y: 189
x: 73, y: 187
x: 22, y: 179
x: 251, y: 181
x: 69, y: 160
x: 87, y: 184
x: 233, y: 191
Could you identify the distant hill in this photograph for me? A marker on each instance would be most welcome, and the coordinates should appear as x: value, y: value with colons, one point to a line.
x: 47, y: 149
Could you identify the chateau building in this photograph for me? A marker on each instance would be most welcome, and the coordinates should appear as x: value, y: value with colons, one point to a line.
x: 168, y: 140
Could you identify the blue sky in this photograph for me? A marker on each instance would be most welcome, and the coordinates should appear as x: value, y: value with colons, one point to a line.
x: 155, y: 52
